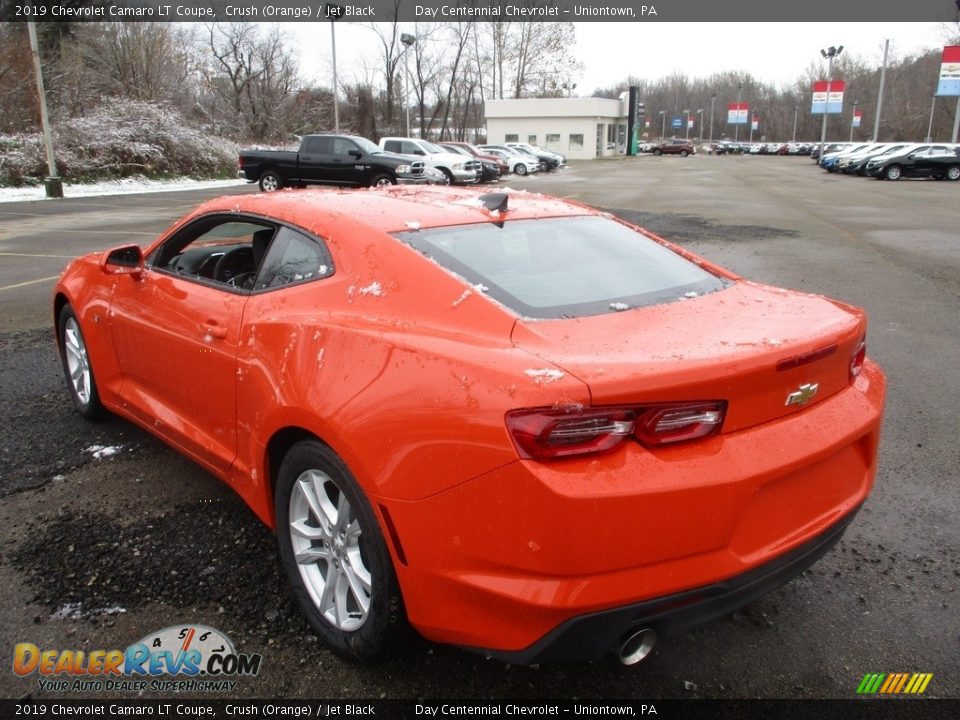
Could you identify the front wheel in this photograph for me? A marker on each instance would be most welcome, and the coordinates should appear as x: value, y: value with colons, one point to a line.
x: 683, y: 153
x: 382, y: 181
x: 334, y: 554
x: 270, y: 181
x: 520, y: 169
x: 953, y: 172
x: 893, y: 172
x: 76, y: 366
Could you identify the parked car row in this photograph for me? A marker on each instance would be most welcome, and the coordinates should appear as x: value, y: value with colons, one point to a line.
x: 351, y: 161
x: 892, y: 161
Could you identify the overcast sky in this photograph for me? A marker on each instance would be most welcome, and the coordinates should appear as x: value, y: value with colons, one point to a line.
x: 774, y: 52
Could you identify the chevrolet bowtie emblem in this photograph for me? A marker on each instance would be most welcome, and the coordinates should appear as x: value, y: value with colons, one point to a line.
x: 803, y: 394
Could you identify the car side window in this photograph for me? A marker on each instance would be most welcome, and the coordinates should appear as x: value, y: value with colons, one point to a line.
x: 392, y: 146
x: 316, y: 146
x: 342, y: 147
x: 221, y: 250
x: 410, y: 148
x: 293, y: 258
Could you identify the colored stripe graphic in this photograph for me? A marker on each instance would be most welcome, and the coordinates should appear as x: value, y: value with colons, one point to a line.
x: 894, y: 683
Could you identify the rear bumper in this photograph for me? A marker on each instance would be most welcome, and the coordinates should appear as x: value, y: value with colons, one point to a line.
x: 591, y: 636
x: 529, y: 547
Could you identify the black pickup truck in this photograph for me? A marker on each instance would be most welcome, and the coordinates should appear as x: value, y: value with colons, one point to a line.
x: 329, y: 160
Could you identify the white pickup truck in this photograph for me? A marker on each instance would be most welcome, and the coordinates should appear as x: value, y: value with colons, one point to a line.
x: 457, y: 168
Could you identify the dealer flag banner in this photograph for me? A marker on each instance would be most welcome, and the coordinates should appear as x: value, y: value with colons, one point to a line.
x: 857, y: 117
x: 756, y: 122
x: 823, y: 104
x: 950, y: 71
x: 737, y: 113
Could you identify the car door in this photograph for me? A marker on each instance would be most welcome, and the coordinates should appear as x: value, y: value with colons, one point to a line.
x: 925, y: 163
x: 176, y: 331
x: 348, y: 166
x: 316, y: 160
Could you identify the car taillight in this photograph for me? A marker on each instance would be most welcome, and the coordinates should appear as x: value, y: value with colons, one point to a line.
x: 856, y: 360
x: 547, y: 433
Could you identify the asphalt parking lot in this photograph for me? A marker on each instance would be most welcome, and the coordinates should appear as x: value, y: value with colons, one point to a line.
x: 100, y: 549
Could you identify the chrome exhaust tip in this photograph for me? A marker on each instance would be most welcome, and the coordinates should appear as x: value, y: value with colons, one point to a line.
x: 636, y: 646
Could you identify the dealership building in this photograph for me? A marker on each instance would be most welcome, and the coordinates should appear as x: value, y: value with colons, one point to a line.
x: 580, y: 128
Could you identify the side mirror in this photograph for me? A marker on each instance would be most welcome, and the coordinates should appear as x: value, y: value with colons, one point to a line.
x: 356, y: 154
x: 125, y: 260
x: 419, y: 152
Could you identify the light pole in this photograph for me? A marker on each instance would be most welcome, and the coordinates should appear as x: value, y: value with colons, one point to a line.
x: 933, y: 104
x: 713, y: 99
x: 334, y: 12
x: 796, y: 110
x: 853, y: 119
x: 700, y: 124
x: 408, y: 40
x: 663, y: 123
x: 830, y: 53
x: 52, y: 183
x: 686, y: 124
x: 736, y: 124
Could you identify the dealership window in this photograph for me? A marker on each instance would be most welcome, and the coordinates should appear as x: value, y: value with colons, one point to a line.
x: 576, y: 141
x: 532, y: 139
x: 511, y: 137
x: 553, y: 141
x: 599, y: 138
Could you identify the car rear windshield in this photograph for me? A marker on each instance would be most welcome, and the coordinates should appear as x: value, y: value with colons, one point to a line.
x: 564, y: 267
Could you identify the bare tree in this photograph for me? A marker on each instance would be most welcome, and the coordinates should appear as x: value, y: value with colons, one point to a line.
x: 254, y: 77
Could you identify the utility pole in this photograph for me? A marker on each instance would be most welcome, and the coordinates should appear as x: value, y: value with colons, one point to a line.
x: 52, y: 183
x: 796, y: 111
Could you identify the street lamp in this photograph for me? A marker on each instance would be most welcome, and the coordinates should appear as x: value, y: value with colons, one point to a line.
x: 796, y: 110
x: 736, y: 124
x: 686, y: 124
x: 408, y: 40
x: 700, y: 124
x: 663, y: 124
x: 830, y: 53
x: 853, y: 119
x: 713, y: 99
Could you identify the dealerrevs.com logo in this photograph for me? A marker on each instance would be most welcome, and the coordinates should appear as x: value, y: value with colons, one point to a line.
x: 182, y: 658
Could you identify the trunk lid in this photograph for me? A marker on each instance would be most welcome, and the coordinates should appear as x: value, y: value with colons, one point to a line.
x: 752, y: 345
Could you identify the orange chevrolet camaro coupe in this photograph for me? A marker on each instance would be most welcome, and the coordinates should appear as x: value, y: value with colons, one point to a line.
x: 520, y: 425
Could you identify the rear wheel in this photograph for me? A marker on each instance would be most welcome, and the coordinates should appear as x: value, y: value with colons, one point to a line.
x: 270, y: 181
x: 953, y: 172
x: 893, y: 172
x: 334, y: 554
x: 658, y: 151
x: 76, y: 366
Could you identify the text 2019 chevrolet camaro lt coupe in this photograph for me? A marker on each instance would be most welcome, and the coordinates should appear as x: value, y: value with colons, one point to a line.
x: 523, y: 426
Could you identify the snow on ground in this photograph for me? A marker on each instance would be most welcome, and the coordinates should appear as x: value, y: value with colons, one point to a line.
x: 125, y: 186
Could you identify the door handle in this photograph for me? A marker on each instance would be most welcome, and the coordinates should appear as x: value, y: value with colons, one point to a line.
x: 211, y: 329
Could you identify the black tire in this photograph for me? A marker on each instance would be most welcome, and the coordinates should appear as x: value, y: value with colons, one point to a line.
x: 520, y: 169
x: 270, y: 181
x: 81, y: 383
x: 683, y: 153
x: 953, y: 173
x: 657, y: 152
x: 448, y: 174
x: 893, y: 172
x: 384, y: 624
x: 382, y: 180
